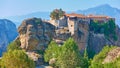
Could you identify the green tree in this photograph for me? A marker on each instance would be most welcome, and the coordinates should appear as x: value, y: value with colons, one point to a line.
x: 110, y: 30
x: 98, y: 59
x: 70, y: 56
x: 85, y: 54
x: 16, y: 59
x: 66, y: 55
x: 15, y: 45
x: 57, y: 14
x: 52, y: 51
x: 85, y: 59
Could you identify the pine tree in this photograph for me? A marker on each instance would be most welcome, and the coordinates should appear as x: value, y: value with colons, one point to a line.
x: 15, y: 45
x: 52, y: 51
x: 16, y: 59
x: 69, y: 57
x: 57, y: 14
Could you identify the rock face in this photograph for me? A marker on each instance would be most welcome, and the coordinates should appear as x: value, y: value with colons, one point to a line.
x: 81, y: 35
x: 8, y: 33
x: 97, y: 41
x: 112, y: 55
x: 35, y: 34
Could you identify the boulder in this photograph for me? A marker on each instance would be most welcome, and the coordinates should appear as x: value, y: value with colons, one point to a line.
x: 112, y: 55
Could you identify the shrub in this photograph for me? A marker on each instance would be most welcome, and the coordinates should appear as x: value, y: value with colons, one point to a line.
x: 15, y: 45
x: 16, y: 59
x: 98, y: 59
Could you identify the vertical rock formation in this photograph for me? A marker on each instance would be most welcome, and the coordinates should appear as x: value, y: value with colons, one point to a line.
x: 81, y: 35
x: 97, y: 41
x: 35, y: 34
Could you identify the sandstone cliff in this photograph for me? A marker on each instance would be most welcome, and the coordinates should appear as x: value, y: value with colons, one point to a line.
x: 112, y: 55
x: 35, y: 34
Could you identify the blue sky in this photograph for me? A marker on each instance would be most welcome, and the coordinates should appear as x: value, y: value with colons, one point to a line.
x: 21, y: 7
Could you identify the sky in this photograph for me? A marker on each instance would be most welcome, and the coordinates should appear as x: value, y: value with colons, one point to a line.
x: 21, y: 7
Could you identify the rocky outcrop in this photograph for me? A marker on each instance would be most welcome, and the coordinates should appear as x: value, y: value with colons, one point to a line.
x: 81, y: 35
x: 97, y: 41
x: 118, y: 36
x: 35, y: 34
x: 8, y: 33
x: 37, y: 58
x: 112, y: 55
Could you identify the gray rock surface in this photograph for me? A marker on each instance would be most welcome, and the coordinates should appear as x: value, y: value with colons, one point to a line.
x: 97, y: 41
x: 35, y: 34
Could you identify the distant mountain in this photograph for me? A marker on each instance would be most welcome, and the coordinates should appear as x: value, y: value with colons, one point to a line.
x: 8, y: 33
x: 19, y: 19
x: 103, y: 10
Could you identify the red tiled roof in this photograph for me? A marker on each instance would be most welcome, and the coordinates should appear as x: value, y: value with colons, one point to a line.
x: 97, y: 16
x: 75, y: 15
x: 88, y: 16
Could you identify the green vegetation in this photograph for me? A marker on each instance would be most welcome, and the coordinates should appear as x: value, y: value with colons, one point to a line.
x: 52, y: 51
x: 91, y: 53
x: 57, y: 14
x: 16, y: 59
x: 98, y: 59
x: 69, y: 57
x: 86, y: 59
x: 14, y: 45
x: 41, y: 52
x: 38, y: 21
x: 66, y: 55
x: 108, y: 28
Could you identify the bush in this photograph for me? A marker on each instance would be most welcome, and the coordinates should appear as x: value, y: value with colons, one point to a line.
x: 16, y: 59
x: 98, y: 59
x: 15, y: 45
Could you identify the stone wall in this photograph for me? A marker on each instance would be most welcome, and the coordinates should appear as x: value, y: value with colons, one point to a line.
x: 62, y: 22
x: 72, y: 25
